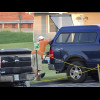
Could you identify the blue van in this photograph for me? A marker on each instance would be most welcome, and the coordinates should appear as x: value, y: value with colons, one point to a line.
x: 75, y: 50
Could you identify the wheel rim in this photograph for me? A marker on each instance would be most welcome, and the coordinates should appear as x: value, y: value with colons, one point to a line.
x: 75, y: 72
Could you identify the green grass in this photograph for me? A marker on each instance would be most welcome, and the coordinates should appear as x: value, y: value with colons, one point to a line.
x: 15, y: 37
x: 29, y: 45
x: 17, y: 40
x: 51, y: 74
x: 24, y: 40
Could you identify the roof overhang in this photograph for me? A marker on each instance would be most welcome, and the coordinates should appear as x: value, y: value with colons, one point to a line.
x: 17, y: 21
x: 50, y: 12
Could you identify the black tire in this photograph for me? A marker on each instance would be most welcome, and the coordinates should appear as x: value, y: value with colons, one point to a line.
x: 75, y: 73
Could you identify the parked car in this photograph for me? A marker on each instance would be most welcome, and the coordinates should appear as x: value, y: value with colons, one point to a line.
x: 15, y: 67
x: 79, y: 46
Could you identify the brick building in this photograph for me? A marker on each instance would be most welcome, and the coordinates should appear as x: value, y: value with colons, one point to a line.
x: 48, y: 23
x: 16, y: 21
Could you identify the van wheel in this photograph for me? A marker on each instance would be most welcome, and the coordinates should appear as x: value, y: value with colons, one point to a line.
x: 75, y: 73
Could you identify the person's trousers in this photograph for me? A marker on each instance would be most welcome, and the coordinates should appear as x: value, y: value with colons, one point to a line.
x: 39, y: 60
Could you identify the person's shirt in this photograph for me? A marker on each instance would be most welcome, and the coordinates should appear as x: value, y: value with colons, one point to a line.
x: 42, y: 45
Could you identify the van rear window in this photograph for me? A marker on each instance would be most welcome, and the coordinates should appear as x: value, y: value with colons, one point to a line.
x: 77, y: 37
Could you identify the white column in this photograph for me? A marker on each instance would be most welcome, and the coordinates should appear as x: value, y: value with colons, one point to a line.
x: 18, y: 26
x: 2, y: 26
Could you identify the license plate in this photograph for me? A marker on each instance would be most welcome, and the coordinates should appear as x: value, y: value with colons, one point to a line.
x: 16, y: 77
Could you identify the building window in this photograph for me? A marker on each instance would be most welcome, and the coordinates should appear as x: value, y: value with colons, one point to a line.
x: 52, y: 26
x: 29, y: 25
x: 22, y: 25
x: 13, y: 25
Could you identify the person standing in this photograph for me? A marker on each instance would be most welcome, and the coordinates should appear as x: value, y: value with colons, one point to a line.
x: 42, y: 46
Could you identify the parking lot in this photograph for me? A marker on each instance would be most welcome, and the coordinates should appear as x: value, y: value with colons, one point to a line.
x: 65, y: 83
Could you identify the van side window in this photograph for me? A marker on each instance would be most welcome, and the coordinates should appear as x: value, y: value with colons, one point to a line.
x: 76, y: 37
x: 62, y: 38
x: 71, y: 38
x: 87, y: 37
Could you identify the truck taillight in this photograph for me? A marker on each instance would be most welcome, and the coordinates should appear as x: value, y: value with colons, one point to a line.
x: 51, y: 54
x: 0, y: 62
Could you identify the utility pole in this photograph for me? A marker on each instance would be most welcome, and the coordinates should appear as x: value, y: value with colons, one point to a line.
x: 36, y: 47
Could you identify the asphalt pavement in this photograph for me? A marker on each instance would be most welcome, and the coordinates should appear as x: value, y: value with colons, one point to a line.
x: 66, y: 83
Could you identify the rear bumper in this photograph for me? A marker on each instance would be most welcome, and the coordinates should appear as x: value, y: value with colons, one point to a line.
x: 56, y: 66
x: 15, y: 70
x: 51, y: 67
x: 17, y: 77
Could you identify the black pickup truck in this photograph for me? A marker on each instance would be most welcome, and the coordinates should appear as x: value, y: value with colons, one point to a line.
x: 15, y: 66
